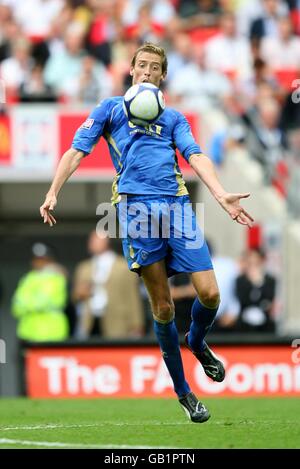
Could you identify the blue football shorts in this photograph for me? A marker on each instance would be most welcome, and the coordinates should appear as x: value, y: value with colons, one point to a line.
x: 162, y: 227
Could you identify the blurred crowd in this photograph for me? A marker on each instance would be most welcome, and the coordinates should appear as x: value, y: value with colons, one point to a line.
x: 101, y: 298
x: 239, y: 56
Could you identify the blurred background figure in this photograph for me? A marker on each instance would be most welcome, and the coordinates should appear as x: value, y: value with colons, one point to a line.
x: 199, y: 13
x: 204, y: 89
x: 34, y: 89
x: 227, y: 52
x: 183, y: 294
x: 226, y: 271
x: 265, y: 24
x: 265, y: 139
x: 40, y: 299
x: 255, y: 290
x: 63, y: 68
x: 106, y: 294
x: 94, y: 83
x: 293, y: 194
x: 16, y: 68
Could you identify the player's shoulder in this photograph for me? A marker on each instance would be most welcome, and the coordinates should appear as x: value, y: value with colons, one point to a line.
x: 111, y: 101
x: 173, y: 115
x: 171, y: 111
x: 107, y: 104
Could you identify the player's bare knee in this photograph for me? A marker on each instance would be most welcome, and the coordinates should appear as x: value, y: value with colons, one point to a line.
x: 163, y: 311
x: 210, y: 298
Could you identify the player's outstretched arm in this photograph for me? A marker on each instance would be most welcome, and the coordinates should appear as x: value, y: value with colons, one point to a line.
x: 67, y: 165
x: 204, y: 168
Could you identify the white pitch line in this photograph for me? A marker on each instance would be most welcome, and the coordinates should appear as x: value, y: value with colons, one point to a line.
x: 102, y: 424
x: 125, y: 424
x: 51, y: 444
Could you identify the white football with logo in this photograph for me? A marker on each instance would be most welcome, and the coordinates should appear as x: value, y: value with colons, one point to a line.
x: 143, y: 104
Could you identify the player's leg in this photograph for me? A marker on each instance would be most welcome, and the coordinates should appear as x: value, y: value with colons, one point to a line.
x: 203, y: 313
x: 205, y: 307
x: 156, y: 282
x: 189, y: 253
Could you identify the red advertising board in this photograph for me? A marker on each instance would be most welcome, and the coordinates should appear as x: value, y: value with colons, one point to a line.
x: 141, y: 372
x: 33, y: 139
x: 99, y: 160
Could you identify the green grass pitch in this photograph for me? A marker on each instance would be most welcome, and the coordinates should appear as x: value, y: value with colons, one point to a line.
x: 148, y: 423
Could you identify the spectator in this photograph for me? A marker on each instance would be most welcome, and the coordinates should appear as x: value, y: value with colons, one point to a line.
x: 293, y: 192
x: 35, y: 16
x: 227, y: 52
x: 255, y: 290
x: 283, y: 51
x: 16, y: 68
x: 106, y: 294
x: 40, y: 298
x: 265, y: 140
x: 179, y: 55
x: 226, y: 271
x: 122, y: 51
x: 266, y: 24
x: 248, y: 90
x: 161, y: 13
x: 199, y: 13
x: 101, y: 31
x: 94, y: 82
x: 10, y: 32
x: 183, y: 294
x: 145, y: 29
x: 34, y: 89
x: 63, y: 68
x: 204, y: 89
x: 246, y: 12
x: 294, y: 10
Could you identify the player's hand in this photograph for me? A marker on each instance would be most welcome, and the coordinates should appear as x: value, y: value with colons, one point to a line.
x: 231, y: 204
x: 48, y: 205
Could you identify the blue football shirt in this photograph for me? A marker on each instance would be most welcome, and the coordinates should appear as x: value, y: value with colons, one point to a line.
x: 144, y: 157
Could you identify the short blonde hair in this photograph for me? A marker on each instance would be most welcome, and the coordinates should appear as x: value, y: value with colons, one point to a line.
x: 153, y: 49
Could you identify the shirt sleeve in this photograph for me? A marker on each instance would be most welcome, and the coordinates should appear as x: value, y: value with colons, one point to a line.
x: 184, y: 139
x: 88, y: 134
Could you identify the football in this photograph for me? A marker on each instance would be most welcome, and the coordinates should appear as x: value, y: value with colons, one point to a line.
x: 143, y: 104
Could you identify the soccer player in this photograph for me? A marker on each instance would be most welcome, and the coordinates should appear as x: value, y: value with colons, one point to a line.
x: 148, y: 173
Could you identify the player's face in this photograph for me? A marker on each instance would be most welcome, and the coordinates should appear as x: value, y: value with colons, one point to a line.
x: 147, y: 69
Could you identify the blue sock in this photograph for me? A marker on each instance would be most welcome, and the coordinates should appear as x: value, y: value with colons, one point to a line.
x: 202, y: 321
x: 167, y: 336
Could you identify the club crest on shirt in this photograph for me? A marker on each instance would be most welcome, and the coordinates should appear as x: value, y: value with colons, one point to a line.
x: 144, y: 255
x: 87, y: 124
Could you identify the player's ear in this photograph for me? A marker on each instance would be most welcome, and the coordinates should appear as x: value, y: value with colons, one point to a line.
x: 131, y: 71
